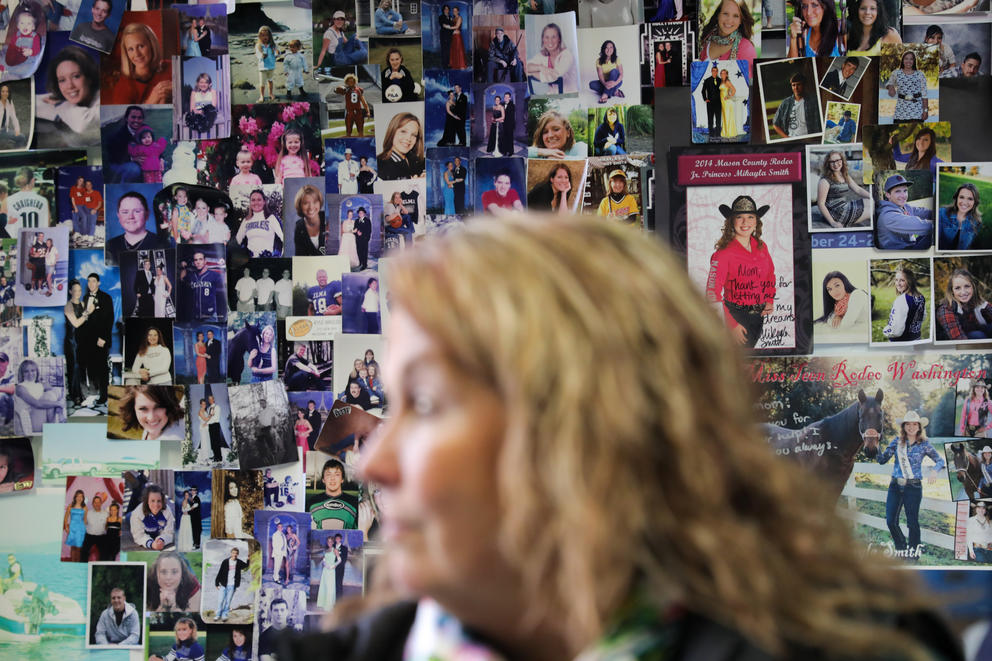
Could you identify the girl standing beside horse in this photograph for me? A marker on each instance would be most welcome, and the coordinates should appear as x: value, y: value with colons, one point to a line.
x: 906, y: 487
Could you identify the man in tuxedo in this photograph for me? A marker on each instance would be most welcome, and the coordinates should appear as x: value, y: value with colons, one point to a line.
x: 363, y: 233
x: 195, y: 518
x: 339, y: 570
x: 711, y: 95
x: 460, y: 175
x: 94, y: 335
x: 217, y: 442
x: 144, y: 289
x: 460, y: 109
x: 837, y: 80
x: 313, y: 417
x: 213, y: 358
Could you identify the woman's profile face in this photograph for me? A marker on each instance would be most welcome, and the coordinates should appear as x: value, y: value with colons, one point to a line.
x: 923, y: 142
x: 835, y: 287
x: 965, y: 200
x: 900, y: 282
x: 406, y: 137
x: 560, y: 180
x: 555, y: 134
x: 72, y: 83
x: 151, y: 415
x: 962, y: 289
x: 868, y: 12
x: 434, y: 461
x: 729, y: 18
x: 744, y: 224
x: 169, y: 574
x: 138, y: 50
x: 550, y: 41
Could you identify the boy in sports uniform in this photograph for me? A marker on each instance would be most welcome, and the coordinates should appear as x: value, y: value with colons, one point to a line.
x: 325, y: 297
x: 619, y: 203
x: 333, y: 509
x: 356, y: 108
x: 204, y: 292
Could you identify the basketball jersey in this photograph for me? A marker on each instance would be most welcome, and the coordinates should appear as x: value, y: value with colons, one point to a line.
x: 353, y: 99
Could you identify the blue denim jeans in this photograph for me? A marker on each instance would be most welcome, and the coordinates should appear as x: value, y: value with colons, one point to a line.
x: 908, y: 496
x: 224, y: 608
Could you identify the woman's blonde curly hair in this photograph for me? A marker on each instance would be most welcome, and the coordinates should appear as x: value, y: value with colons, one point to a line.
x: 630, y: 422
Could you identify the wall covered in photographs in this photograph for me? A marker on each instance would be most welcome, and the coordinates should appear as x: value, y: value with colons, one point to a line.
x: 199, y: 202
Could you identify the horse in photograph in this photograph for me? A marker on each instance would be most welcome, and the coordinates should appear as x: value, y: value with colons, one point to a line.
x: 827, y: 447
x: 244, y: 341
x: 969, y: 472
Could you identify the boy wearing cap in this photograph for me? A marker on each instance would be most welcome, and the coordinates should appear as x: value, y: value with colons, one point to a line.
x: 619, y: 203
x: 348, y: 175
x: 900, y: 226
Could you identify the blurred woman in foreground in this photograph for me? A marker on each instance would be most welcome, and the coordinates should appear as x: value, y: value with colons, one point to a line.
x: 620, y: 505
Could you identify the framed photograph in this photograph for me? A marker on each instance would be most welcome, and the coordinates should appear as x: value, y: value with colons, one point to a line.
x: 790, y: 99
x: 115, y: 590
x: 902, y: 300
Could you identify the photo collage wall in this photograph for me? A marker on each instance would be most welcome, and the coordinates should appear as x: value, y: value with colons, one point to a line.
x: 199, y: 205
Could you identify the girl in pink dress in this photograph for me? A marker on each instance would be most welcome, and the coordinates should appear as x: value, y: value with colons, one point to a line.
x: 147, y: 152
x: 292, y: 161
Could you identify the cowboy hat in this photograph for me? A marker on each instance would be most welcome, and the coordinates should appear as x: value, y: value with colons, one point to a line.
x: 744, y: 204
x: 913, y: 416
x: 987, y: 448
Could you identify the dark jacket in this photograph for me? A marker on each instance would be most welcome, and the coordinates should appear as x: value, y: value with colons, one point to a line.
x: 711, y: 90
x: 221, y: 580
x: 381, y: 635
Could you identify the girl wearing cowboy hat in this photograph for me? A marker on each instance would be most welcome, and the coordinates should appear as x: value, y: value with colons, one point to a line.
x: 985, y: 463
x: 742, y: 274
x: 975, y: 412
x: 979, y: 533
x: 906, y: 487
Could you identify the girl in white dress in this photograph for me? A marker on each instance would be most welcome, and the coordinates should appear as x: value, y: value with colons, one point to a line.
x: 326, y: 595
x: 349, y: 246
x: 203, y: 453
x: 153, y: 363
x: 163, y: 293
x: 184, y: 542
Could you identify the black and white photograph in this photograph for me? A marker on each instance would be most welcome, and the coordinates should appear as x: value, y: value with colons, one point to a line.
x: 262, y: 427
